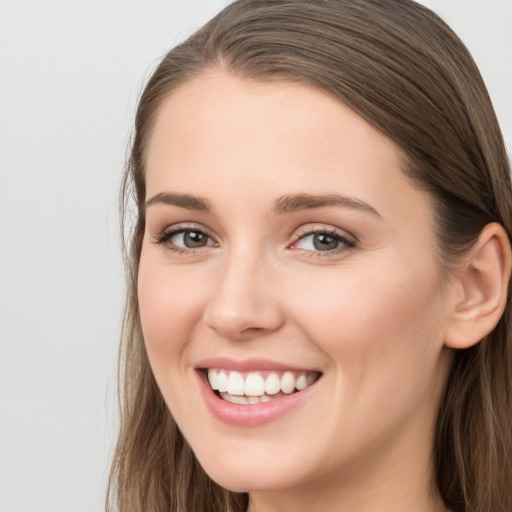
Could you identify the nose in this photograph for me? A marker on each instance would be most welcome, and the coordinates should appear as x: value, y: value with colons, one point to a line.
x: 244, y: 304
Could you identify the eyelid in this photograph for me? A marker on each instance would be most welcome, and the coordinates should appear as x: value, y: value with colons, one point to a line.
x: 349, y: 241
x: 163, y: 236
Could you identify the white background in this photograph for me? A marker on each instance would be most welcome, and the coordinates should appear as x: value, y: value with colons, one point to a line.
x: 70, y: 74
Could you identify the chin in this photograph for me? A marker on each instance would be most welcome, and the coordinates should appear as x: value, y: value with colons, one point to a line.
x: 247, y: 466
x: 246, y: 477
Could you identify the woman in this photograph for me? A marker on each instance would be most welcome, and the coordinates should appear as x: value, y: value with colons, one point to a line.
x: 318, y: 275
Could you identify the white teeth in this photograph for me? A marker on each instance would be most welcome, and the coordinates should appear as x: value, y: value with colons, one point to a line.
x: 272, y: 384
x: 244, y: 400
x: 301, y: 382
x: 254, y: 388
x: 288, y: 383
x: 235, y: 399
x: 235, y: 384
x: 213, y: 379
x: 310, y: 378
x: 254, y: 385
x: 222, y: 382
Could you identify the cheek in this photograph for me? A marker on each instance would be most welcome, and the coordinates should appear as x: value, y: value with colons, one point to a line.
x: 376, y: 325
x: 170, y: 307
x: 382, y: 350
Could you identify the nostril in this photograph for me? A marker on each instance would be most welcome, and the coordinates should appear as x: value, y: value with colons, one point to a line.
x: 250, y: 330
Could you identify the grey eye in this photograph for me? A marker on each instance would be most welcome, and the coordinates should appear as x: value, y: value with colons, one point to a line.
x: 190, y: 239
x: 319, y: 242
x: 194, y: 239
x: 323, y: 242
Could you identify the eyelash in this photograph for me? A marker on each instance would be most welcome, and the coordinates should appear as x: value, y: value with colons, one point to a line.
x: 347, y: 243
x: 167, y: 234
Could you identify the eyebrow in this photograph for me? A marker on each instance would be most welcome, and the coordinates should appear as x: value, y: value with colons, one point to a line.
x: 298, y: 202
x: 186, y: 201
x: 285, y: 204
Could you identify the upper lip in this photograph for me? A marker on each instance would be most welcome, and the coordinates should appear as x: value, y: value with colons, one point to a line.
x: 248, y: 365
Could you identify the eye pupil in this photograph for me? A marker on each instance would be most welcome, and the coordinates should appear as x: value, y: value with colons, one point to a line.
x: 323, y: 242
x: 194, y: 239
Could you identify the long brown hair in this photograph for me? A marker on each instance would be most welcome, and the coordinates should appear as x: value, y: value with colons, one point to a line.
x: 402, y: 69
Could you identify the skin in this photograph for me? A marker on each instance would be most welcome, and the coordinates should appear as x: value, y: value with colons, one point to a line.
x: 371, y: 318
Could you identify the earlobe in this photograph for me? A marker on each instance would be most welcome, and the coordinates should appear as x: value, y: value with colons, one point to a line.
x: 483, y: 283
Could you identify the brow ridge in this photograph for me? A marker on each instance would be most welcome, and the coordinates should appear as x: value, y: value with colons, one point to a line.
x: 285, y: 204
x: 297, y: 202
x: 186, y: 201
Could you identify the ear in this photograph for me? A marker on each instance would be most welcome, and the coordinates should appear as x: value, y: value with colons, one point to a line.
x: 483, y: 283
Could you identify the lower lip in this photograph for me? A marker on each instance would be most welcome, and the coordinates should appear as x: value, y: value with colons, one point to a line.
x: 251, y: 415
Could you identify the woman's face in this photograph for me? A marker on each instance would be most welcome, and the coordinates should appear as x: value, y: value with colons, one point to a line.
x: 286, y: 250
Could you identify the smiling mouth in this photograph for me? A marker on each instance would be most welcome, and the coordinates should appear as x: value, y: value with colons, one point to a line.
x: 258, y: 387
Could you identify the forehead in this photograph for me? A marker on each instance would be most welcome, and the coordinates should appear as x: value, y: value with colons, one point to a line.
x: 218, y: 133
